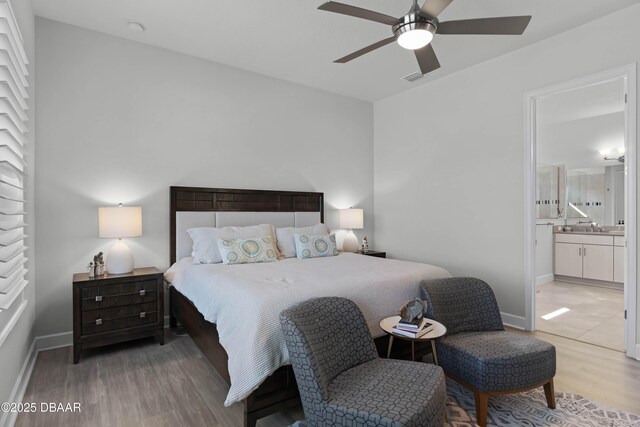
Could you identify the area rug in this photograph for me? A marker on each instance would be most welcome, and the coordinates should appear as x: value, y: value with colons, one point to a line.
x: 529, y: 409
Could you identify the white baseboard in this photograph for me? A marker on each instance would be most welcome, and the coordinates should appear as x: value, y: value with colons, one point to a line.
x: 546, y: 278
x: 512, y: 320
x: 8, y: 419
x: 637, y: 355
x: 49, y: 342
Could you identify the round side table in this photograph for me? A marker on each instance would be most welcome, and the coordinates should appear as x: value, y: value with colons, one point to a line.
x: 388, y: 323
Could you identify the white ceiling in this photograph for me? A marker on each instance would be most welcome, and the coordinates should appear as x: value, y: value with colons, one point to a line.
x: 574, y: 126
x: 291, y: 40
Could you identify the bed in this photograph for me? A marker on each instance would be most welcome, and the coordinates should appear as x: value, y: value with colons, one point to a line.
x: 231, y: 312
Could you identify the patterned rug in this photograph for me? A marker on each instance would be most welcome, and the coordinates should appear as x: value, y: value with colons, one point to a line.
x: 530, y: 409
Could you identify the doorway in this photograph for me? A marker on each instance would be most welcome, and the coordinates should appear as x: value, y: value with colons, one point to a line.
x: 580, y: 210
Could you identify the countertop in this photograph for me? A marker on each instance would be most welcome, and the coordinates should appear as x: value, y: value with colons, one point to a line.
x: 593, y: 233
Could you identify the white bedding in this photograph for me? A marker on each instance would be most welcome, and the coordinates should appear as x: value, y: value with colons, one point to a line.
x: 245, y: 301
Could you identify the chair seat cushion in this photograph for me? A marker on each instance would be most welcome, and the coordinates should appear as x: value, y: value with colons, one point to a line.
x: 389, y: 393
x: 497, y: 360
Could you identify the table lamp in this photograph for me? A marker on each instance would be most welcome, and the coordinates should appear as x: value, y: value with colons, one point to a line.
x: 352, y: 219
x: 117, y: 223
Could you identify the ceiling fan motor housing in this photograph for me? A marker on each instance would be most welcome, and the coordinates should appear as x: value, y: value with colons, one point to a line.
x: 414, y: 21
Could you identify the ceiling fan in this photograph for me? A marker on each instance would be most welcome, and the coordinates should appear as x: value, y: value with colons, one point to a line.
x: 416, y: 29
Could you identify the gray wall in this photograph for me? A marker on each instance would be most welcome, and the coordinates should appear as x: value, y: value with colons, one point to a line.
x: 121, y: 122
x: 16, y: 347
x: 449, y: 160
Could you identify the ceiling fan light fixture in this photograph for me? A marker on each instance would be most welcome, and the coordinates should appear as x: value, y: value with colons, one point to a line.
x: 415, y: 35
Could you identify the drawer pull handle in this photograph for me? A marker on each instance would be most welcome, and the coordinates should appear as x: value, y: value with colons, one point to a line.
x: 143, y: 293
x: 98, y: 322
x: 143, y: 314
x: 99, y: 298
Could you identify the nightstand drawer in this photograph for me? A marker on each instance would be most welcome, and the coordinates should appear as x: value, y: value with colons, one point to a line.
x: 98, y: 297
x: 105, y: 325
x: 117, y: 312
x: 118, y: 289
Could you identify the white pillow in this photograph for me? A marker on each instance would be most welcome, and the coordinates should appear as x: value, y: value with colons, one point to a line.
x: 205, y: 240
x: 315, y: 246
x: 247, y: 251
x: 286, y: 237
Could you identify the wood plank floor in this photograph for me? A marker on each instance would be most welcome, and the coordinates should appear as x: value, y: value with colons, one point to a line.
x: 145, y: 384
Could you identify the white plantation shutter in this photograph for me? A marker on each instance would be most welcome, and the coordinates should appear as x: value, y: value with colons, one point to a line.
x: 13, y: 118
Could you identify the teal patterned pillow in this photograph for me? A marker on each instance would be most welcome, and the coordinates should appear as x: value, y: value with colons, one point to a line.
x: 247, y: 251
x: 315, y: 246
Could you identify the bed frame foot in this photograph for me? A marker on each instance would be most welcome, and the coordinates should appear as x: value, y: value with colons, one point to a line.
x: 250, y: 420
x: 173, y: 320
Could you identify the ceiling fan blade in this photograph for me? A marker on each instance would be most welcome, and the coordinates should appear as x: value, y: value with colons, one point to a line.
x: 427, y: 59
x: 433, y: 8
x: 508, y: 25
x: 345, y: 9
x: 367, y: 49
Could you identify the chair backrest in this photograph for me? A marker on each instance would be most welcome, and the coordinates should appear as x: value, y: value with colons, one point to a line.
x: 462, y: 304
x: 325, y: 337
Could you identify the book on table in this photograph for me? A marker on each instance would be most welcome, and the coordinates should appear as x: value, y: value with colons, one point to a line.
x: 425, y: 328
x: 410, y: 325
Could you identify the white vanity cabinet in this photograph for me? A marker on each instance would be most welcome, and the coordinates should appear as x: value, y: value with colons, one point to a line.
x: 585, y: 256
x: 568, y: 259
x: 597, y: 262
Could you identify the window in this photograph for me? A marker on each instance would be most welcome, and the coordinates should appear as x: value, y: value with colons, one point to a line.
x: 13, y: 118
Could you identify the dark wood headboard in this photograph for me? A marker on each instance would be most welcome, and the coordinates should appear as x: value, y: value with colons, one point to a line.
x: 202, y: 199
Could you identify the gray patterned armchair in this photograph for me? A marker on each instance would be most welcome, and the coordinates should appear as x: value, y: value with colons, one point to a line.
x: 343, y: 382
x: 477, y: 351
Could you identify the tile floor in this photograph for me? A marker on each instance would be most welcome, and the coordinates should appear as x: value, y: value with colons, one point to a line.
x: 595, y: 316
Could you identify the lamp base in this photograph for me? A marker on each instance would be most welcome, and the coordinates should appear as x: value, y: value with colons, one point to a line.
x: 119, y: 259
x: 350, y: 243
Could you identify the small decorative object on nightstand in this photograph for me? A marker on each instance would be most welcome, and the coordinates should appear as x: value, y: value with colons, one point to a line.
x: 376, y: 254
x: 115, y: 308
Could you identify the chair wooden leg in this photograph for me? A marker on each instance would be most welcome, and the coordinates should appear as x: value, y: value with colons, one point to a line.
x: 550, y: 395
x: 482, y: 407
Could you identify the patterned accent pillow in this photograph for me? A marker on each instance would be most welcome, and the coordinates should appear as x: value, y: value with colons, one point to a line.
x: 247, y: 251
x: 315, y: 246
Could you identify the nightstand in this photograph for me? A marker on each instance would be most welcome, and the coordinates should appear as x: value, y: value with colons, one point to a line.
x: 109, y: 309
x: 376, y: 254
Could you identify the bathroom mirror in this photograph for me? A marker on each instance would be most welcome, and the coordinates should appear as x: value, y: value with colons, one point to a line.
x: 596, y: 194
x: 549, y: 194
x: 581, y: 194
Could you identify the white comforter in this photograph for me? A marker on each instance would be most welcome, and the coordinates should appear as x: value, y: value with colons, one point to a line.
x: 245, y: 301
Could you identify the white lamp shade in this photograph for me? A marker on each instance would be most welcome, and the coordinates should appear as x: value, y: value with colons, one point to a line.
x: 119, y: 222
x: 351, y: 218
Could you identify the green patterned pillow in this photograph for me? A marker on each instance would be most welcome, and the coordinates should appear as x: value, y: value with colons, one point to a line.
x: 315, y: 246
x: 247, y: 251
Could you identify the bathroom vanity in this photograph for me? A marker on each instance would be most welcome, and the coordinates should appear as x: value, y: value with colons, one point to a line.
x: 590, y: 257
